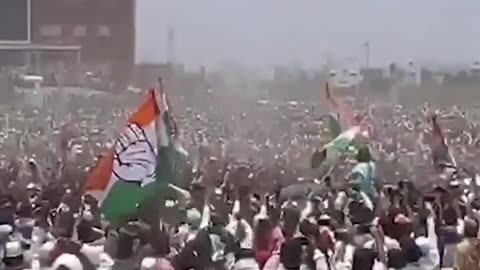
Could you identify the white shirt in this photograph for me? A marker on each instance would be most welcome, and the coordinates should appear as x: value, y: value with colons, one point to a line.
x: 247, y: 242
x: 428, y: 245
x: 346, y: 262
x: 379, y: 266
x: 91, y: 252
x: 321, y: 260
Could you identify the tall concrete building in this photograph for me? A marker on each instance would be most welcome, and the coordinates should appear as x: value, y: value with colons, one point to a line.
x: 92, y: 35
x: 104, y: 29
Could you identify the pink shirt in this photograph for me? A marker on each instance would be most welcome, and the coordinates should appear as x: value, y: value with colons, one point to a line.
x: 270, y: 258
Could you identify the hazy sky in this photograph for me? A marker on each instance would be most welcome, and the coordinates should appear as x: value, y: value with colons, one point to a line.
x: 266, y: 32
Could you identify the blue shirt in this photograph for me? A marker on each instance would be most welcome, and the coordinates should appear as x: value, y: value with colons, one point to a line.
x: 363, y: 175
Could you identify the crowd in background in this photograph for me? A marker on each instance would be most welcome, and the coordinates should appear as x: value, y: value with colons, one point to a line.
x: 247, y: 197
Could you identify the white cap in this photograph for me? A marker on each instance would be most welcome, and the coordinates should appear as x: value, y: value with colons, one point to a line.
x: 106, y: 262
x: 148, y: 263
x: 69, y: 261
x: 87, y: 215
x: 13, y: 249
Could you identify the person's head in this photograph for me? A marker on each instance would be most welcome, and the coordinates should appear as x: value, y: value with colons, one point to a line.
x: 160, y: 242
x: 328, y: 181
x: 471, y: 228
x: 24, y: 210
x: 197, y: 192
x: 67, y: 262
x: 411, y: 250
x: 263, y: 232
x: 363, y: 154
x: 5, y: 231
x: 84, y: 230
x: 240, y: 232
x: 64, y: 223
x: 7, y: 205
x: 402, y: 226
x: 363, y: 259
x: 392, y: 191
x: 290, y: 220
x: 32, y: 189
x: 450, y: 216
x: 193, y: 218
x: 420, y: 226
x: 126, y: 242
x: 291, y: 254
x: 217, y: 220
x: 396, y: 259
x: 309, y: 230
x: 455, y: 189
x: 202, y: 245
x: 363, y: 229
x: 25, y: 227
x: 324, y: 220
x: 13, y: 254
x: 342, y: 234
x: 360, y: 213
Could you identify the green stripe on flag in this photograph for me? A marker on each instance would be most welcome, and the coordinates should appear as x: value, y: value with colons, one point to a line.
x: 334, y: 126
x: 123, y: 200
x: 331, y: 151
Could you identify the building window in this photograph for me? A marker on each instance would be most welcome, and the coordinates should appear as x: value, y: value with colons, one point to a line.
x: 51, y: 30
x: 104, y: 31
x: 80, y: 31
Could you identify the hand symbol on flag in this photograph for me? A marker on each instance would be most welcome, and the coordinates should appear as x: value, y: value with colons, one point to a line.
x: 134, y: 156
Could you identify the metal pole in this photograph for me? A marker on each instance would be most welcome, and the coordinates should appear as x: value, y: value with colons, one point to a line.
x: 79, y: 68
x: 37, y: 62
x: 367, y: 54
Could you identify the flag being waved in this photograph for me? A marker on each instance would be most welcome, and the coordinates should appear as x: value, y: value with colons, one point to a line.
x: 332, y: 150
x: 333, y: 126
x: 441, y: 155
x: 127, y: 176
x: 344, y: 113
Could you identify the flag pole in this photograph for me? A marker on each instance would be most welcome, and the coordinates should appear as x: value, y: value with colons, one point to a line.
x: 7, y: 124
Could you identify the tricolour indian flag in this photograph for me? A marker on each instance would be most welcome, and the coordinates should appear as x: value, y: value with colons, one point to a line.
x: 334, y: 126
x: 345, y: 115
x: 127, y: 176
x: 332, y: 150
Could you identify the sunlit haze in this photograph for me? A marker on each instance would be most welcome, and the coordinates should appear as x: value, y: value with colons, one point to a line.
x: 306, y: 32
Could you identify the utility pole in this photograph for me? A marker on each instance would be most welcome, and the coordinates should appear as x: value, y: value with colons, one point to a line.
x: 366, y: 46
x: 171, y: 45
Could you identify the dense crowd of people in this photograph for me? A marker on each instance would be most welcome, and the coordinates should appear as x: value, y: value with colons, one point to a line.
x: 247, y: 197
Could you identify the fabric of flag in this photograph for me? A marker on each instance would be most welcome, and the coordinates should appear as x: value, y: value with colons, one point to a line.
x: 340, y: 145
x: 345, y: 113
x: 334, y: 126
x: 169, y: 150
x: 372, y: 124
x: 330, y: 99
x: 172, y: 157
x: 366, y: 125
x: 441, y: 155
x: 127, y: 176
